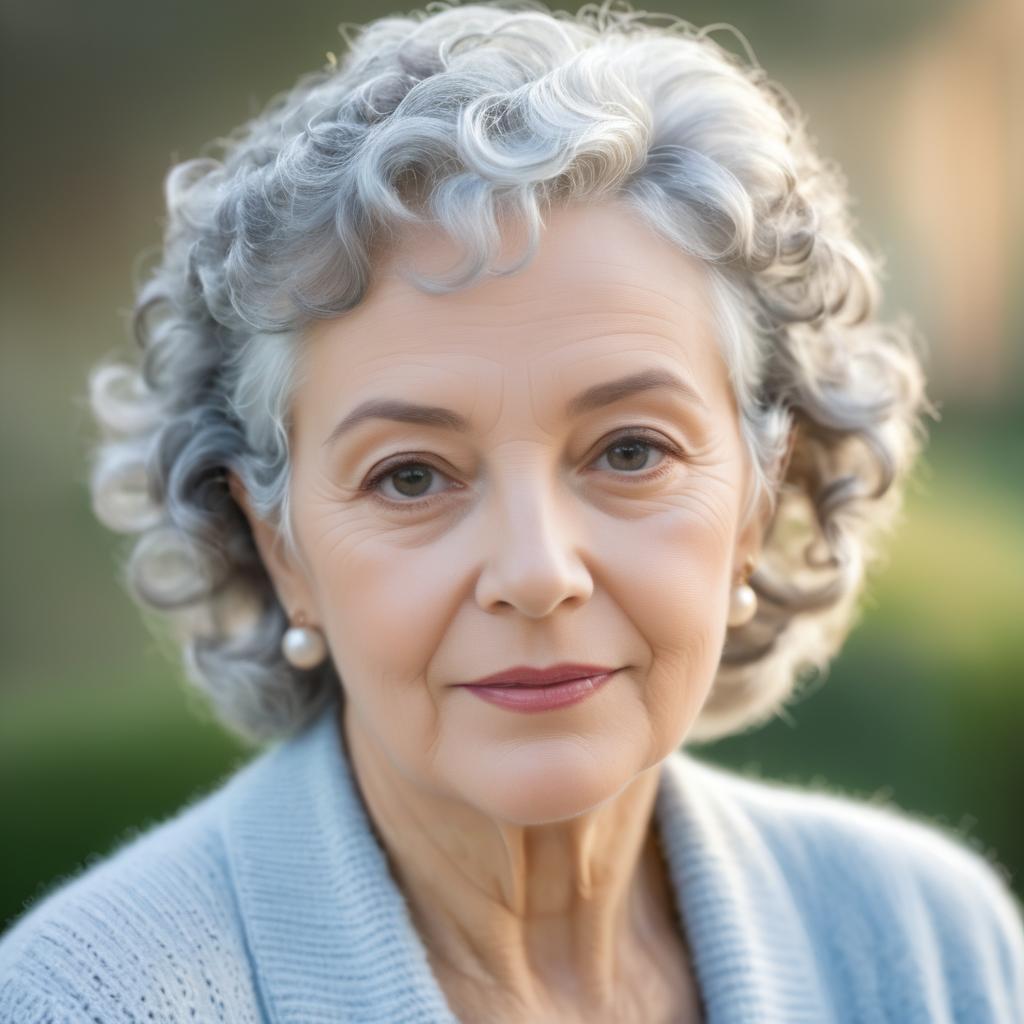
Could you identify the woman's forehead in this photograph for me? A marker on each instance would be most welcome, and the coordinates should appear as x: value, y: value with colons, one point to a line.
x: 602, y: 295
x: 597, y: 256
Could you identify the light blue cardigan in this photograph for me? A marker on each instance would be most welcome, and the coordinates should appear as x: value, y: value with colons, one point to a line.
x: 269, y: 898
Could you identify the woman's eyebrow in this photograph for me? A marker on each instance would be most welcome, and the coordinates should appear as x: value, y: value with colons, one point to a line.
x: 594, y: 397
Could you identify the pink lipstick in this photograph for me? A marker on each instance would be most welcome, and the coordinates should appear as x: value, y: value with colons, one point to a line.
x: 533, y: 693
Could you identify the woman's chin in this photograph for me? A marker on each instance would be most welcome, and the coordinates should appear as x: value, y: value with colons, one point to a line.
x: 540, y: 782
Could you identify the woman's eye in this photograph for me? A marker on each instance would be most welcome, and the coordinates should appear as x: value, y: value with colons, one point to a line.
x: 627, y: 456
x: 410, y: 479
x: 631, y: 454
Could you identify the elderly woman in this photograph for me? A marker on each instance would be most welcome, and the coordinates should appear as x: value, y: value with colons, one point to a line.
x: 512, y: 409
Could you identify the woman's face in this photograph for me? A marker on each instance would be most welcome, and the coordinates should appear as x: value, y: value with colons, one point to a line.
x: 536, y: 535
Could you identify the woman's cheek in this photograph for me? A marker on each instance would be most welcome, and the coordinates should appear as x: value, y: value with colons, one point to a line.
x: 681, y: 595
x: 382, y: 640
x: 374, y: 594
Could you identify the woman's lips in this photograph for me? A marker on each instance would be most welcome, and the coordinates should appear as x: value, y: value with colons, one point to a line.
x: 517, y: 697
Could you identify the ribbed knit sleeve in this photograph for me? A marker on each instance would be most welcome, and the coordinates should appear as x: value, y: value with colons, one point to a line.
x: 148, y: 935
x: 907, y: 922
x: 979, y: 927
x: 1008, y: 929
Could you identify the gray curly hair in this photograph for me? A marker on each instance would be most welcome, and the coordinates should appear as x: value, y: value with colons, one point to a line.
x: 457, y: 116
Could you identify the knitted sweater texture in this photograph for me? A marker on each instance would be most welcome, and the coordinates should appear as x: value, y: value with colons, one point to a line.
x: 269, y: 898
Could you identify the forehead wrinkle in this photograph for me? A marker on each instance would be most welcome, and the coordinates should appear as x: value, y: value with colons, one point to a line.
x: 538, y: 283
x: 614, y: 299
x: 538, y: 331
x: 453, y: 317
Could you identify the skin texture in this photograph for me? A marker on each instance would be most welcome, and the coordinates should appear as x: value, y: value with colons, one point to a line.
x: 524, y: 842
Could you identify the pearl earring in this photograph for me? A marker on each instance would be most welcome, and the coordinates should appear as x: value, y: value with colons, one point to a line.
x: 303, y: 645
x: 743, y: 600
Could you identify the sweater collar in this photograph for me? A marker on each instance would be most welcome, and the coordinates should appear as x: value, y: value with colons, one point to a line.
x: 332, y: 939
x: 753, y: 956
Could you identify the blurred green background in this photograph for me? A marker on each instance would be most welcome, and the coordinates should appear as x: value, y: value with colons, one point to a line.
x: 920, y: 103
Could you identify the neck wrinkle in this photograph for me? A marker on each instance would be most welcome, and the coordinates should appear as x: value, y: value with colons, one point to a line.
x: 561, y: 911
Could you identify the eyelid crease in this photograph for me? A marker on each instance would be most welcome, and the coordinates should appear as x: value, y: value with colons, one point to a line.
x: 648, y: 435
x: 654, y: 437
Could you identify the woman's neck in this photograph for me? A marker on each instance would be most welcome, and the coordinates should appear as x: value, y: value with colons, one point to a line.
x: 546, y: 915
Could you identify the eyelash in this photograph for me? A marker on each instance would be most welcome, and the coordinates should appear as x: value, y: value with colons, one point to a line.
x: 649, y: 438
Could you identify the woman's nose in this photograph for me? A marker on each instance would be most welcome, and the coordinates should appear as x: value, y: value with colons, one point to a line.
x: 533, y: 547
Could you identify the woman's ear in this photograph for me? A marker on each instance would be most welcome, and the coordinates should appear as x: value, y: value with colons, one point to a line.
x: 748, y: 544
x: 289, y: 580
x: 783, y: 466
x: 751, y: 538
